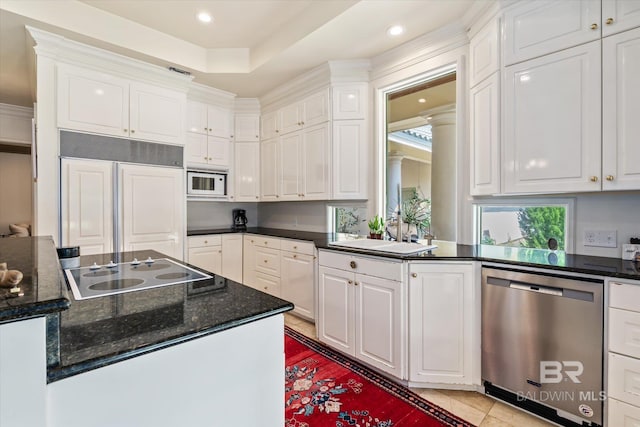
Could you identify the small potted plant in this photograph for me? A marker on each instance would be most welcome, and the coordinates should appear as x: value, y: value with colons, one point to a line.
x: 376, y: 227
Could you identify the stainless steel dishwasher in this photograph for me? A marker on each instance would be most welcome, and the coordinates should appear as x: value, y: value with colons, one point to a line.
x: 542, y: 344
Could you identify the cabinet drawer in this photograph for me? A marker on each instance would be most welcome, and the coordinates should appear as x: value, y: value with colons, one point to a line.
x: 625, y: 296
x: 267, y: 261
x: 624, y: 332
x: 263, y: 241
x: 623, y: 414
x: 376, y: 267
x: 267, y: 283
x: 624, y: 378
x: 205, y: 241
x: 297, y: 246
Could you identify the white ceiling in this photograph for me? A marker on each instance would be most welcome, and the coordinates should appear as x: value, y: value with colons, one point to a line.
x: 251, y: 47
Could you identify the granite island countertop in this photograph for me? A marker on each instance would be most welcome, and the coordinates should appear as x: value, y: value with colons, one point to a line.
x: 99, y: 331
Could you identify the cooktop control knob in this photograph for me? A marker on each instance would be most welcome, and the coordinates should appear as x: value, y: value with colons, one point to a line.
x: 111, y: 264
x: 135, y: 262
x: 149, y: 260
x: 95, y: 266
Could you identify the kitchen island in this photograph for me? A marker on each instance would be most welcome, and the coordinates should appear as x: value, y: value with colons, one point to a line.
x: 200, y: 353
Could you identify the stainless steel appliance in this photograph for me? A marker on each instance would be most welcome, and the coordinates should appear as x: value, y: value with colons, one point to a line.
x: 102, y: 280
x: 239, y: 219
x: 206, y: 184
x: 542, y: 344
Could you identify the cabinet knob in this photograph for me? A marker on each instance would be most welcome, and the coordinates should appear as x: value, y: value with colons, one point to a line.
x: 230, y: 136
x: 205, y: 129
x: 220, y: 251
x: 355, y: 283
x: 209, y: 129
x: 252, y: 241
x: 353, y: 264
x: 265, y: 288
x: 277, y: 195
x: 594, y: 179
x: 350, y: 282
x: 610, y: 178
x: 414, y: 274
x: 295, y: 256
x: 205, y: 242
x: 231, y: 197
x: 126, y: 130
x: 257, y: 197
x: 609, y: 21
x: 257, y: 137
x: 265, y: 261
x: 302, y: 123
x: 277, y: 131
x: 133, y: 131
x: 295, y: 247
x: 594, y: 26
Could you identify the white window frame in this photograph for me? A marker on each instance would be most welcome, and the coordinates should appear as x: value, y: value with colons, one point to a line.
x: 568, y: 203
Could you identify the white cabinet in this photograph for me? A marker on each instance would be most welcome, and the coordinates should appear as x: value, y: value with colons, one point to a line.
x: 248, y: 261
x: 97, y: 102
x: 297, y: 274
x: 619, y: 15
x: 444, y: 314
x: 270, y: 125
x: 552, y: 122
x: 534, y: 29
x: 232, y: 250
x: 247, y: 127
x: 209, y: 135
x: 620, y: 106
x: 262, y: 265
x: 350, y: 160
x: 484, y: 122
x: 206, y: 252
x: 270, y: 170
x: 362, y: 314
x: 247, y: 171
x: 291, y: 166
x: 87, y: 205
x: 484, y: 52
x: 204, y: 151
x: 219, y: 121
x: 312, y: 110
x: 349, y: 101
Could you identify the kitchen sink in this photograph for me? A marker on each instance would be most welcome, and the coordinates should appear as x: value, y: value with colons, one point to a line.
x: 401, y: 248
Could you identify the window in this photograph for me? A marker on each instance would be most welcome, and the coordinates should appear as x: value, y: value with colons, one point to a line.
x: 525, y: 224
x: 348, y: 219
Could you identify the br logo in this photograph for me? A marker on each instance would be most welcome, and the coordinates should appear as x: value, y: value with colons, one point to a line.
x: 551, y: 371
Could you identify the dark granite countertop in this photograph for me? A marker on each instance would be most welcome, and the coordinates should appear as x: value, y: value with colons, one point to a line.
x: 100, y: 331
x: 42, y: 284
x: 321, y: 240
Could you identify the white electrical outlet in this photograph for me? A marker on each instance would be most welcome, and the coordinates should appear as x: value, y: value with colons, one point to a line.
x: 600, y: 238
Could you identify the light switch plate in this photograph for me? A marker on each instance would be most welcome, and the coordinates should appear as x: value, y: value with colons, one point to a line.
x: 600, y: 238
x: 629, y: 251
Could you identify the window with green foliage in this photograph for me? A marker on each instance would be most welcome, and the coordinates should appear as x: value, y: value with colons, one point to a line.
x: 526, y: 225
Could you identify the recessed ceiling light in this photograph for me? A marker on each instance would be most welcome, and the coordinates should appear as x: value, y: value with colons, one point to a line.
x: 422, y: 100
x: 204, y: 17
x: 396, y: 30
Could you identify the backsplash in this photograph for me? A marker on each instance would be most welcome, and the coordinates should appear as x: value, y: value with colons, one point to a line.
x: 306, y: 216
x: 218, y: 214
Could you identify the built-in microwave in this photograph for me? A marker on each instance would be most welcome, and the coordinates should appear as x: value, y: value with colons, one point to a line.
x: 206, y: 184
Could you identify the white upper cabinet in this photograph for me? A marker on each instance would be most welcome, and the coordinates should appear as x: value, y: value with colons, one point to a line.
x: 350, y: 101
x: 619, y: 15
x: 247, y: 171
x: 98, y: 102
x: 209, y: 135
x: 197, y: 117
x: 350, y: 159
x: 316, y: 108
x: 219, y: 121
x: 207, y: 151
x: 291, y: 166
x: 484, y: 53
x: 552, y: 122
x: 291, y: 118
x: 270, y: 124
x: 536, y: 28
x: 314, y: 175
x: 484, y: 120
x: 621, y: 103
x: 269, y: 170
x: 247, y: 127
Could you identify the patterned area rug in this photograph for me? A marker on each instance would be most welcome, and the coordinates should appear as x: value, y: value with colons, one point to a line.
x: 326, y: 389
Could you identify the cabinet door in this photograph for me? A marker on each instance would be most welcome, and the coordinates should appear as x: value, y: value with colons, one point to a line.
x: 152, y: 209
x: 267, y: 261
x: 268, y: 284
x: 620, y: 106
x: 196, y: 117
x: 92, y: 101
x: 314, y: 182
x: 269, y: 170
x: 552, y: 123
x: 87, y: 205
x: 538, y: 28
x: 624, y: 378
x: 379, y: 323
x: 270, y: 124
x: 315, y: 109
x: 218, y: 150
x: 622, y: 414
x: 247, y: 171
x: 248, y: 261
x: 350, y: 159
x: 208, y: 258
x: 336, y: 314
x: 444, y: 314
x: 484, y: 119
x: 350, y: 101
x: 619, y: 15
x: 247, y: 127
x: 157, y: 114
x: 196, y: 151
x: 232, y: 257
x: 290, y: 118
x: 219, y: 121
x: 291, y: 166
x: 484, y: 53
x: 297, y: 282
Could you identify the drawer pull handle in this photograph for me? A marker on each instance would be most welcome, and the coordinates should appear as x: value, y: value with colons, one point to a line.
x: 353, y: 264
x: 414, y: 274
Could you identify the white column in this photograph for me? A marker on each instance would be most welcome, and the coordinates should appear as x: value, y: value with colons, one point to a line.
x: 443, y: 175
x: 394, y: 179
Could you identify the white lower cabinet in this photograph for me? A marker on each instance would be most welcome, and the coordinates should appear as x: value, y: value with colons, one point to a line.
x: 361, y: 315
x: 297, y: 278
x: 232, y: 257
x: 444, y: 323
x: 206, y: 252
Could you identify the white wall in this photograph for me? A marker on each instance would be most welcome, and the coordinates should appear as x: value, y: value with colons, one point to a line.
x: 218, y: 214
x: 307, y: 216
x: 15, y: 190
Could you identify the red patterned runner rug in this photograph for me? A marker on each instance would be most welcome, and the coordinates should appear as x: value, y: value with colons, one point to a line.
x: 323, y: 388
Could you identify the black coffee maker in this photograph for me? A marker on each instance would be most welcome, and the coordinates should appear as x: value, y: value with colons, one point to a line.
x: 239, y: 219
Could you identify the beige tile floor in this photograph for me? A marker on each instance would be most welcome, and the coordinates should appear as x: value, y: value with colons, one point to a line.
x: 473, y: 407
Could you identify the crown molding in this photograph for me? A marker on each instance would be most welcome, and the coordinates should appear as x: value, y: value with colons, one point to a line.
x: 16, y: 111
x: 246, y: 106
x: 210, y: 95
x: 61, y: 49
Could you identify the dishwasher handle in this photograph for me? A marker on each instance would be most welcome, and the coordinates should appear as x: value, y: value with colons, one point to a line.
x: 536, y: 288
